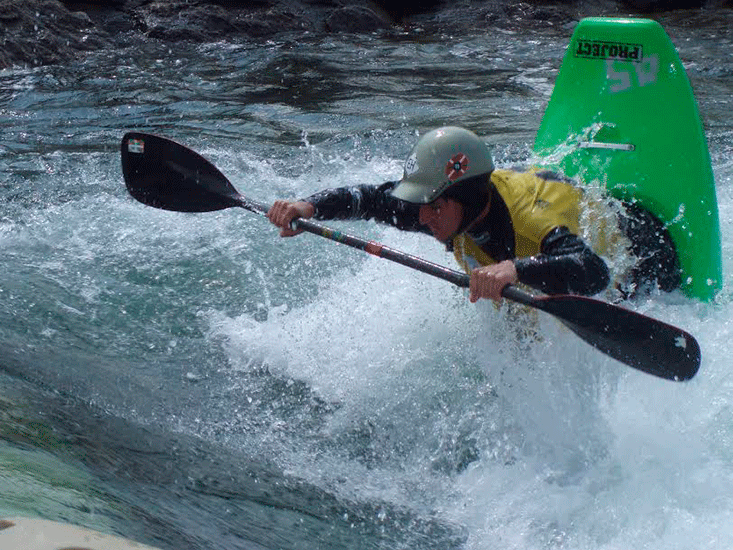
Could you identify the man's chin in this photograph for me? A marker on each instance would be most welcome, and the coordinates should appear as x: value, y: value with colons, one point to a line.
x: 441, y: 237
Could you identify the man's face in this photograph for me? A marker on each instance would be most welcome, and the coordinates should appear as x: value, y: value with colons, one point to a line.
x: 442, y: 217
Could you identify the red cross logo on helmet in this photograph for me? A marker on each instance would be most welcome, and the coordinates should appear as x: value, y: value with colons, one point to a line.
x: 456, y: 167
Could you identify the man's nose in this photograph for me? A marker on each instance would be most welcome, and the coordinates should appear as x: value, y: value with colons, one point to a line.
x: 426, y: 214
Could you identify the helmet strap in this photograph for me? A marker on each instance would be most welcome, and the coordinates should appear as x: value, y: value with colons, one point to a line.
x: 478, y: 218
x: 474, y: 194
x: 470, y: 217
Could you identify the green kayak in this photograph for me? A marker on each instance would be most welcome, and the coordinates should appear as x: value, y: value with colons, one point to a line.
x: 623, y: 113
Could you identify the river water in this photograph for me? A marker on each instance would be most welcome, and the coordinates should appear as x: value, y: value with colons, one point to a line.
x: 194, y: 381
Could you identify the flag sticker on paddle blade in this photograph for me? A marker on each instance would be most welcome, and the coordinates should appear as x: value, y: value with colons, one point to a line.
x: 136, y: 146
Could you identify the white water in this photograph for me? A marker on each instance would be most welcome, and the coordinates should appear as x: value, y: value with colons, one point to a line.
x: 573, y: 450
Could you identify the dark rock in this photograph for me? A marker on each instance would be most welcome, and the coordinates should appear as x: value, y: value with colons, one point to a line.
x: 272, y: 21
x: 249, y: 4
x: 176, y: 21
x: 357, y: 19
x: 39, y: 32
x: 648, y: 6
x: 400, y: 12
x: 42, y: 32
x: 531, y: 14
x: 84, y: 5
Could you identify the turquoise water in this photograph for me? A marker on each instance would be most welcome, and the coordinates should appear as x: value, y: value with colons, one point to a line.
x: 193, y: 381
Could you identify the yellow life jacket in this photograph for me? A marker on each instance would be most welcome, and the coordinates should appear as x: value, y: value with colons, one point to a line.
x: 536, y: 207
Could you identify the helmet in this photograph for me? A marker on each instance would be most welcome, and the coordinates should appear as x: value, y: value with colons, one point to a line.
x: 440, y: 159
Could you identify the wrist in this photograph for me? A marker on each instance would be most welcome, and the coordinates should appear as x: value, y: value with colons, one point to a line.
x: 305, y: 209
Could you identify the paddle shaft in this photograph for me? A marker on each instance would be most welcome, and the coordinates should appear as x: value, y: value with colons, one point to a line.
x: 371, y: 247
x: 382, y: 251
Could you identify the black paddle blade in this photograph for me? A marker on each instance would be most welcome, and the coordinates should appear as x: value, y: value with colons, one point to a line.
x: 164, y: 174
x: 632, y: 338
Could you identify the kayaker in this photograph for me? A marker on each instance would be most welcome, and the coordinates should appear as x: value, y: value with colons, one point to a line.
x: 504, y: 227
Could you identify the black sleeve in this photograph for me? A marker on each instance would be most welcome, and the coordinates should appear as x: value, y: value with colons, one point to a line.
x: 366, y: 202
x: 565, y: 265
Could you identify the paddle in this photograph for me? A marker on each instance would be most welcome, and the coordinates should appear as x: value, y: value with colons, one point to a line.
x: 164, y: 174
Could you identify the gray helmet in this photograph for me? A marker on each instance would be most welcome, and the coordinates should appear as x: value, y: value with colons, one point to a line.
x: 440, y: 159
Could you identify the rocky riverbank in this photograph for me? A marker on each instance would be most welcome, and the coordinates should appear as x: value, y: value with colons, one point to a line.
x: 41, y: 32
